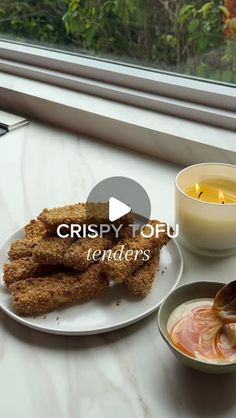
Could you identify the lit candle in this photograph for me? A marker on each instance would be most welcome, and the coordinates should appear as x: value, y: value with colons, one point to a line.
x: 213, y: 191
x: 206, y: 208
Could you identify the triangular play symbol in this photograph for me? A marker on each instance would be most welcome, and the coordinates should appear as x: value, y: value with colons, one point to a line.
x: 117, y: 209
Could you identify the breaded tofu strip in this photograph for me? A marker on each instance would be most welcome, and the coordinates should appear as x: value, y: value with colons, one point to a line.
x: 79, y: 213
x: 40, y: 295
x: 35, y: 229
x: 77, y: 255
x: 125, y: 232
x: 140, y: 282
x: 118, y: 269
x: 24, y: 268
x: 22, y: 248
x: 51, y: 250
x: 163, y: 237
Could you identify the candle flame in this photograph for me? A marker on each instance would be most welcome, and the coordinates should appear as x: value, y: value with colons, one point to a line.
x: 198, y: 190
x: 221, y: 196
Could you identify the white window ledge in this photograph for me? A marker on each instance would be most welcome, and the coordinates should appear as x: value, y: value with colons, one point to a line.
x: 157, y: 134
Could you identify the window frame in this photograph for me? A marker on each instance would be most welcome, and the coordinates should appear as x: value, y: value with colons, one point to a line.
x: 122, y: 74
x: 198, y: 100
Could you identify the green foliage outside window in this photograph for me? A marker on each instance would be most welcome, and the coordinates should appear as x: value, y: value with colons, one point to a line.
x: 189, y: 37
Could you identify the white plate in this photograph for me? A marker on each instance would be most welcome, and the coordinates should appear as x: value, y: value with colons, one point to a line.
x: 113, y: 310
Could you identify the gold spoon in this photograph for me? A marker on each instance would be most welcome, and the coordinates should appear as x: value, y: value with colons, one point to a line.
x: 225, y: 303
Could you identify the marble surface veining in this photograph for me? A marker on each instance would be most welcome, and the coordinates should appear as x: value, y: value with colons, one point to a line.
x: 128, y: 373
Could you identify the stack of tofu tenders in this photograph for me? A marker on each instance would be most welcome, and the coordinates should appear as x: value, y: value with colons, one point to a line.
x: 46, y: 271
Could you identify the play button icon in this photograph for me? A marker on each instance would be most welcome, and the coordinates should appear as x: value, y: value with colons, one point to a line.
x: 117, y: 209
x: 122, y: 196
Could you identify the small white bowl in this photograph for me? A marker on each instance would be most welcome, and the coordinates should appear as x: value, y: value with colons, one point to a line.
x: 177, y: 297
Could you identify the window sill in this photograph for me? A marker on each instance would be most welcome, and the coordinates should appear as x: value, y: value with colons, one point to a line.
x: 157, y: 134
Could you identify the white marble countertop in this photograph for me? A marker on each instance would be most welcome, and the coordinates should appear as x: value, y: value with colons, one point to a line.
x: 129, y: 373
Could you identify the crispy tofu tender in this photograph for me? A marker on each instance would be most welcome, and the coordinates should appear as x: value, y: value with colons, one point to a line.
x: 79, y: 213
x: 163, y: 237
x: 76, y: 256
x: 35, y: 229
x: 51, y: 250
x: 40, y: 295
x: 119, y: 269
x: 140, y: 282
x: 125, y: 232
x: 24, y: 268
x: 22, y: 248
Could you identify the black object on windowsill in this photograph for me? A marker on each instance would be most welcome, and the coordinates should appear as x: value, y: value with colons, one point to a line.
x: 3, y: 131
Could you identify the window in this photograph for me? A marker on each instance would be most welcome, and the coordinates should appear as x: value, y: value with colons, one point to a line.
x: 193, y: 38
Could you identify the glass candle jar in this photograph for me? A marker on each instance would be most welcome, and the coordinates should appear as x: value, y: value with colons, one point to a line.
x: 207, y: 227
